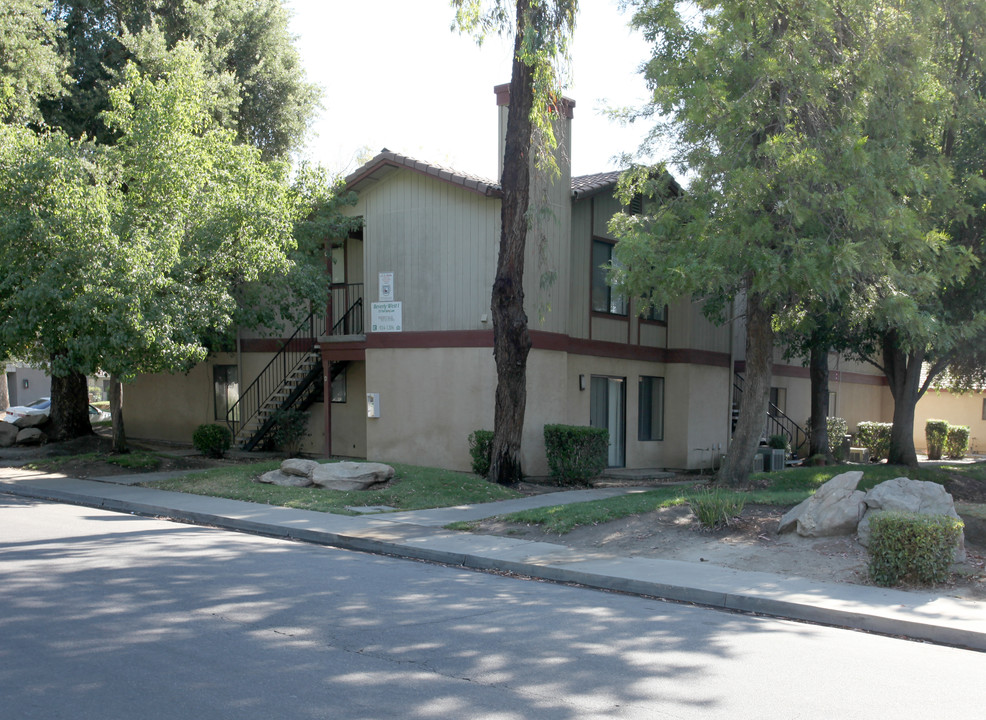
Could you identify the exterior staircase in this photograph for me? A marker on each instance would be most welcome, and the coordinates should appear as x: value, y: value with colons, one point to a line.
x: 776, y: 421
x: 292, y: 380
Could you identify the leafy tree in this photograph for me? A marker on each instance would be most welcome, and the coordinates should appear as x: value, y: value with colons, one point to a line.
x: 790, y: 117
x: 121, y: 258
x: 541, y: 31
x: 253, y: 70
x: 940, y: 327
x: 30, y: 66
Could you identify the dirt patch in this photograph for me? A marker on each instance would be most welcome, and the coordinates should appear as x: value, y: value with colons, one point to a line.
x: 750, y: 542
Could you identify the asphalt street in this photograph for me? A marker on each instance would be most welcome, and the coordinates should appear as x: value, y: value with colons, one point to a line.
x: 104, y: 615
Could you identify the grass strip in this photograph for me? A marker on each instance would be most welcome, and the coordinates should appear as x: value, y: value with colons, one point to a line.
x: 413, y: 488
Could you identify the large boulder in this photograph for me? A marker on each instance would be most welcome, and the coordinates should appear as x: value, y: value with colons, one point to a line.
x: 297, y: 466
x: 834, y: 509
x: 278, y: 477
x: 8, y: 434
x: 31, y: 421
x: 351, y: 475
x: 31, y: 436
x: 906, y: 495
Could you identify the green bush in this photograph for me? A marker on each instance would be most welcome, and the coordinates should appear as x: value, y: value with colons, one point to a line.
x: 905, y: 547
x: 714, y: 508
x: 289, y: 430
x: 936, y: 433
x: 481, y: 450
x: 876, y: 437
x: 212, y: 440
x: 837, y: 429
x: 778, y: 442
x: 957, y: 443
x: 575, y: 453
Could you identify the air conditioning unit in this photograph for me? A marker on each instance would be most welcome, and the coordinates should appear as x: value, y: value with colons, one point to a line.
x: 758, y: 462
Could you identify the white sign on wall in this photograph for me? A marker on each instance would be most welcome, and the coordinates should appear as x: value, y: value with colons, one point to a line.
x: 386, y: 317
x: 386, y: 286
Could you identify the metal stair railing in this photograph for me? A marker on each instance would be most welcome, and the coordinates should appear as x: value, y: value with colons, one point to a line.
x: 296, y: 357
x: 349, y: 322
x: 777, y: 421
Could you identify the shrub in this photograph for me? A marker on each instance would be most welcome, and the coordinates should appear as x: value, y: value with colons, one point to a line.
x: 957, y: 442
x: 575, y: 453
x: 481, y: 450
x: 778, y: 442
x: 837, y: 429
x: 936, y: 433
x: 289, y: 430
x: 905, y: 547
x: 714, y: 508
x: 212, y: 440
x: 876, y: 437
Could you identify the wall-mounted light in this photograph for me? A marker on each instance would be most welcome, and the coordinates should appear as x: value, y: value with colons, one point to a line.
x: 581, y: 382
x: 27, y: 383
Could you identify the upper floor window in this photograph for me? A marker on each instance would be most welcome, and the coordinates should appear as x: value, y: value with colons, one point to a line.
x: 657, y: 315
x: 604, y: 298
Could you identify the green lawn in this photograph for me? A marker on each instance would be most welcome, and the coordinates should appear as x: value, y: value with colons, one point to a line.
x: 137, y: 460
x: 784, y: 489
x: 413, y: 488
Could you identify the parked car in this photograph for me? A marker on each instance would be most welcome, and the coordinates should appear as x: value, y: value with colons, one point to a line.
x: 42, y: 406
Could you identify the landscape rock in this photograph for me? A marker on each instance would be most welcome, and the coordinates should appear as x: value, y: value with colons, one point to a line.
x: 299, y: 467
x: 834, y: 509
x: 351, y: 475
x: 277, y: 477
x: 31, y: 436
x: 914, y: 496
x: 31, y: 421
x: 8, y: 434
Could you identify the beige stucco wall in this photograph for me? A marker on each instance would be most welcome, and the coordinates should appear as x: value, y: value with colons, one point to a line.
x: 170, y: 406
x: 349, y: 420
x: 966, y: 409
x: 450, y: 391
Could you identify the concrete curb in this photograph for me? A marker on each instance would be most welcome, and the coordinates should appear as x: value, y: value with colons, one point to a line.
x: 920, y: 616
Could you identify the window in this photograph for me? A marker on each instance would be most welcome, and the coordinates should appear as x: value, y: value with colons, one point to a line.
x: 984, y: 408
x: 226, y: 387
x: 657, y: 315
x: 338, y: 389
x: 604, y: 298
x: 650, y: 413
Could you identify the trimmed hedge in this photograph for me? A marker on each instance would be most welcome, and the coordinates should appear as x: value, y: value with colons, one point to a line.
x: 957, y: 442
x: 876, y: 437
x: 575, y: 453
x: 481, y: 451
x: 906, y: 547
x: 936, y: 433
x: 212, y: 440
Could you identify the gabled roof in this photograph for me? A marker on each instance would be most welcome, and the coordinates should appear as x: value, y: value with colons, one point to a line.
x: 387, y: 162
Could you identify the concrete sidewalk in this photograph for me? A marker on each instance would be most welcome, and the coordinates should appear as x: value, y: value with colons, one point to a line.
x: 919, y: 615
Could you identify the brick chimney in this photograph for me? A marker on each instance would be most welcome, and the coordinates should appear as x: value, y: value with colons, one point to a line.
x: 563, y: 133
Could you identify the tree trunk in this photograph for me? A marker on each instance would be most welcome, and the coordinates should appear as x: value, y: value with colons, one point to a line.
x: 116, y: 412
x: 818, y: 371
x: 903, y: 370
x: 511, y: 340
x: 4, y: 390
x: 69, y: 407
x: 756, y: 393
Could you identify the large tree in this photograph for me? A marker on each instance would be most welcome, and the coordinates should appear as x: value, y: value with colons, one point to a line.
x: 794, y: 196
x: 30, y: 66
x: 122, y: 258
x: 257, y: 84
x: 541, y: 31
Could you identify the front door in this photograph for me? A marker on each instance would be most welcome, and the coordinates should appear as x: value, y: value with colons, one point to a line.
x: 607, y: 402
